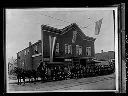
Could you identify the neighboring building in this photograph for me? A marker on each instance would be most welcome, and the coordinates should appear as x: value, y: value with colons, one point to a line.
x: 57, y: 43
x: 12, y: 66
x: 105, y: 55
x: 30, y: 57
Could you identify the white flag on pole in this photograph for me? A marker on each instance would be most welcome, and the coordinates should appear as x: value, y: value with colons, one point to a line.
x: 98, y: 26
x: 52, y: 44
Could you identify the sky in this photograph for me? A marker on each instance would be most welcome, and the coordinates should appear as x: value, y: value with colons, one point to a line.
x: 24, y: 26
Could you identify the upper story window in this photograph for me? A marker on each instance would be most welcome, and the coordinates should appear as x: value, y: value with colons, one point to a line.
x: 66, y: 48
x: 35, y: 49
x: 28, y: 51
x: 88, y: 51
x: 19, y: 55
x: 57, y: 47
x: 22, y: 63
x: 78, y: 50
x: 25, y: 52
x: 69, y: 49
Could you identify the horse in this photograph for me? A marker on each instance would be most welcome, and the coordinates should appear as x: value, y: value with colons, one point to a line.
x: 20, y: 73
x: 41, y: 72
x: 34, y: 75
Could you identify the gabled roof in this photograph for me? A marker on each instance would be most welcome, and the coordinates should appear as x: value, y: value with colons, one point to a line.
x: 51, y: 29
x: 66, y: 29
x: 75, y: 26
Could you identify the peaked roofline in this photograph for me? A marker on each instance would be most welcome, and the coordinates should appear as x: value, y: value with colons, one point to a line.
x: 66, y: 29
x: 74, y: 25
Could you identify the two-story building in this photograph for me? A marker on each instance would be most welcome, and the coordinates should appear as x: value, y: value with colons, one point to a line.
x: 57, y: 45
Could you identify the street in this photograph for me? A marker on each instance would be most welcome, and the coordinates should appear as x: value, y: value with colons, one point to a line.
x: 91, y: 83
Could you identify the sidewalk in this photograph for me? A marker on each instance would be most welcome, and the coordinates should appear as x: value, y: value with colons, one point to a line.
x: 39, y: 79
x: 106, y: 82
x: 11, y: 81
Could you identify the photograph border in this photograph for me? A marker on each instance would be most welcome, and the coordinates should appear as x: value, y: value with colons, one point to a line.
x: 117, y: 55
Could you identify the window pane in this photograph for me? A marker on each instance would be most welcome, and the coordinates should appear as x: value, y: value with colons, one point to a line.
x: 88, y: 51
x: 24, y: 52
x: 57, y: 47
x: 77, y: 49
x: 69, y: 50
x: 66, y: 48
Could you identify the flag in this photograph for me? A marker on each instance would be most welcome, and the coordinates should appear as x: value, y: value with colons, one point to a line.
x: 98, y: 26
x: 52, y: 43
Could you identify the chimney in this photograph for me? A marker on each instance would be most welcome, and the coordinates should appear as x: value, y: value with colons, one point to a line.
x: 102, y: 51
x: 30, y: 43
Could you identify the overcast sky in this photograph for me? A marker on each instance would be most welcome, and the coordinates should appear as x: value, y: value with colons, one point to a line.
x: 24, y: 26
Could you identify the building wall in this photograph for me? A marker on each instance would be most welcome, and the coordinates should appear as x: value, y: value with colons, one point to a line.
x: 105, y: 55
x: 28, y: 62
x: 67, y: 39
x: 46, y: 46
x: 36, y: 61
x: 32, y: 59
x: 36, y: 56
x: 24, y: 61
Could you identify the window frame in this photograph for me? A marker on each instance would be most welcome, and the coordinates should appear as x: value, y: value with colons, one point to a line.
x: 57, y: 47
x: 66, y: 48
x: 77, y: 49
x: 25, y: 53
x: 80, y: 50
x: 36, y: 49
x: 88, y: 50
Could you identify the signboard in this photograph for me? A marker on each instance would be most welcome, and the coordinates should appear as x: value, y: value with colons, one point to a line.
x: 46, y: 59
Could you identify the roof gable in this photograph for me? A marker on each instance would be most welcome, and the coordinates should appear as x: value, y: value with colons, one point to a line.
x: 66, y: 29
x: 75, y: 26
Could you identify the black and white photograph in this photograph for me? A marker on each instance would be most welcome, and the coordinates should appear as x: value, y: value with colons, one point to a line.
x: 62, y: 50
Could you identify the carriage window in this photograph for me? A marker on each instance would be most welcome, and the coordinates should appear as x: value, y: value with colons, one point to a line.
x: 57, y: 47
x: 88, y: 51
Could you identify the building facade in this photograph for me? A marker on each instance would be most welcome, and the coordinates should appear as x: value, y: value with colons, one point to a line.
x: 105, y: 56
x: 57, y: 44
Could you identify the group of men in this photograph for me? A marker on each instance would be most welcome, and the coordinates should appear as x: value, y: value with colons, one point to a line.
x: 74, y: 71
x: 64, y: 72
